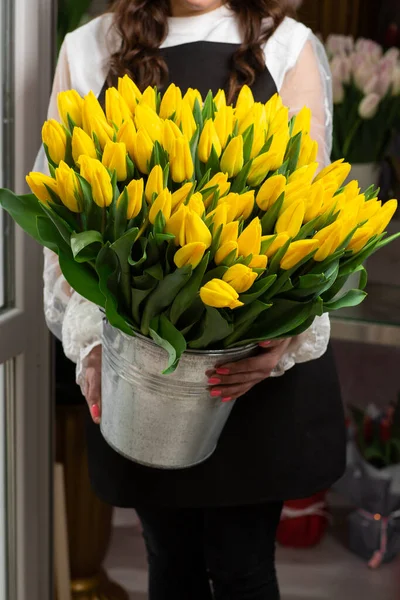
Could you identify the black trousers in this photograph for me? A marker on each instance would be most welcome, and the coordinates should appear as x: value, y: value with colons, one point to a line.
x: 233, y: 548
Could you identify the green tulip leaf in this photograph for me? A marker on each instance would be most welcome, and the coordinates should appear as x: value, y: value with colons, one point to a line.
x: 239, y: 183
x: 138, y: 297
x: 213, y: 328
x: 189, y: 292
x: 213, y: 162
x: 155, y: 271
x: 163, y: 296
x: 274, y: 265
x: 82, y: 278
x: 123, y: 249
x: 121, y: 215
x: 108, y: 270
x: 197, y: 114
x: 293, y: 152
x: 244, y: 318
x: 86, y: 245
x: 350, y: 299
x: 208, y: 107
x: 49, y: 236
x: 248, y: 139
x: 260, y: 287
x: 270, y: 218
x: 168, y: 337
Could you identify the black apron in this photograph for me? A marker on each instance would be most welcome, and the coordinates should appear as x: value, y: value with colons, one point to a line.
x: 285, y: 439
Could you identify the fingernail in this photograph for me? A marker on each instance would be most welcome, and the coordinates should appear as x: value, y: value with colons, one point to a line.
x: 226, y: 399
x: 95, y: 410
x: 214, y: 381
x: 265, y: 344
x: 223, y: 371
x: 216, y: 393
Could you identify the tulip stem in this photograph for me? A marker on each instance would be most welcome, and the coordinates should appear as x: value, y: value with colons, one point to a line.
x: 142, y: 229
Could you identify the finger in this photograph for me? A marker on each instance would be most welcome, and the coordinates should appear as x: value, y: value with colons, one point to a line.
x: 230, y: 392
x: 235, y: 379
x: 94, y: 397
x: 271, y: 344
x: 256, y: 363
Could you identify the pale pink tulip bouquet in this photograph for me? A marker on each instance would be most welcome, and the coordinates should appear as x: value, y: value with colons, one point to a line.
x: 366, y: 94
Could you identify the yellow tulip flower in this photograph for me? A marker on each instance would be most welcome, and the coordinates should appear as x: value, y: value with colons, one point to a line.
x: 329, y: 240
x: 260, y: 138
x: 231, y: 202
x: 296, y: 252
x: 102, y: 130
x: 155, y: 183
x: 92, y: 112
x: 114, y: 159
x: 82, y: 143
x: 245, y: 205
x: 279, y: 241
x: 291, y: 220
x: 97, y: 175
x: 256, y: 116
x: 196, y: 204
x: 181, y: 164
x: 223, y: 123
x: 70, y: 103
x: 191, y: 254
x: 219, y: 294
x: 352, y: 189
x: 273, y: 105
x: 179, y: 197
x: 270, y: 191
x: 208, y: 139
x: 187, y: 121
x: 308, y: 151
x: 176, y: 225
x: 279, y: 125
x: 244, y: 103
x: 55, y: 138
x: 162, y: 203
x: 171, y: 103
x: 196, y: 230
x: 314, y: 202
x: 170, y: 133
x: 230, y: 233
x: 219, y: 216
x: 117, y: 110
x: 69, y: 188
x: 220, y: 100
x: 232, y: 160
x: 302, y: 122
x: 126, y: 135
x: 360, y: 239
x: 304, y: 174
x: 130, y: 92
x: 149, y: 99
x: 369, y: 209
x: 142, y: 150
x: 338, y: 170
x: 260, y: 168
x: 148, y: 120
x: 225, y: 250
x: 295, y: 191
x: 135, y: 191
x: 250, y: 239
x: 191, y: 96
x: 259, y: 261
x: 278, y: 147
x: 221, y: 181
x: 382, y: 219
x: 39, y: 184
x: 240, y: 277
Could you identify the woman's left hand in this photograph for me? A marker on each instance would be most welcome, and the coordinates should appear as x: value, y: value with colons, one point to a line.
x: 233, y: 380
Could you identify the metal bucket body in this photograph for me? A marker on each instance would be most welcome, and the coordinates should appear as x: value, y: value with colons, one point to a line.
x: 161, y: 421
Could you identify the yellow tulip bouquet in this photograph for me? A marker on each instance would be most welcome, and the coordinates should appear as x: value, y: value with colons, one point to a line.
x: 198, y: 224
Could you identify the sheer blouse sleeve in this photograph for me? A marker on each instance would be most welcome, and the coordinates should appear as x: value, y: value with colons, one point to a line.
x: 73, y: 319
x: 308, y: 83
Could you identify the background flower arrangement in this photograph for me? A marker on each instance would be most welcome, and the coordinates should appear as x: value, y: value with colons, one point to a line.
x: 198, y: 224
x: 366, y: 85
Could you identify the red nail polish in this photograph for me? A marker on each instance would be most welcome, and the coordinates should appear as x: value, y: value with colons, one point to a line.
x: 226, y: 399
x: 214, y: 381
x: 223, y: 371
x: 216, y: 393
x: 265, y: 344
x: 95, y: 410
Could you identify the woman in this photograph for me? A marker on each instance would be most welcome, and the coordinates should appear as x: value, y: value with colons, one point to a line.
x: 285, y: 437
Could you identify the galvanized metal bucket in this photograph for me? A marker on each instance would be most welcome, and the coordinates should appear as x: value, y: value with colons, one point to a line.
x: 161, y: 421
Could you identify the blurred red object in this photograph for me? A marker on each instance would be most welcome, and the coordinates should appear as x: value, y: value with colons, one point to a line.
x: 303, y: 522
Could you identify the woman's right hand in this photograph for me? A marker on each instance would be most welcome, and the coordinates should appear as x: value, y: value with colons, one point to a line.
x: 92, y: 385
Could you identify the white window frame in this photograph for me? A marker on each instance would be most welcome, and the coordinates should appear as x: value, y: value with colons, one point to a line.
x: 24, y: 338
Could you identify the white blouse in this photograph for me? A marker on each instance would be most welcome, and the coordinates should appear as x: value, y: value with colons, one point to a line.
x: 298, y: 64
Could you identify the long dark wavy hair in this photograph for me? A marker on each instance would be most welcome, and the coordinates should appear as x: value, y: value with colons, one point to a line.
x: 143, y: 26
